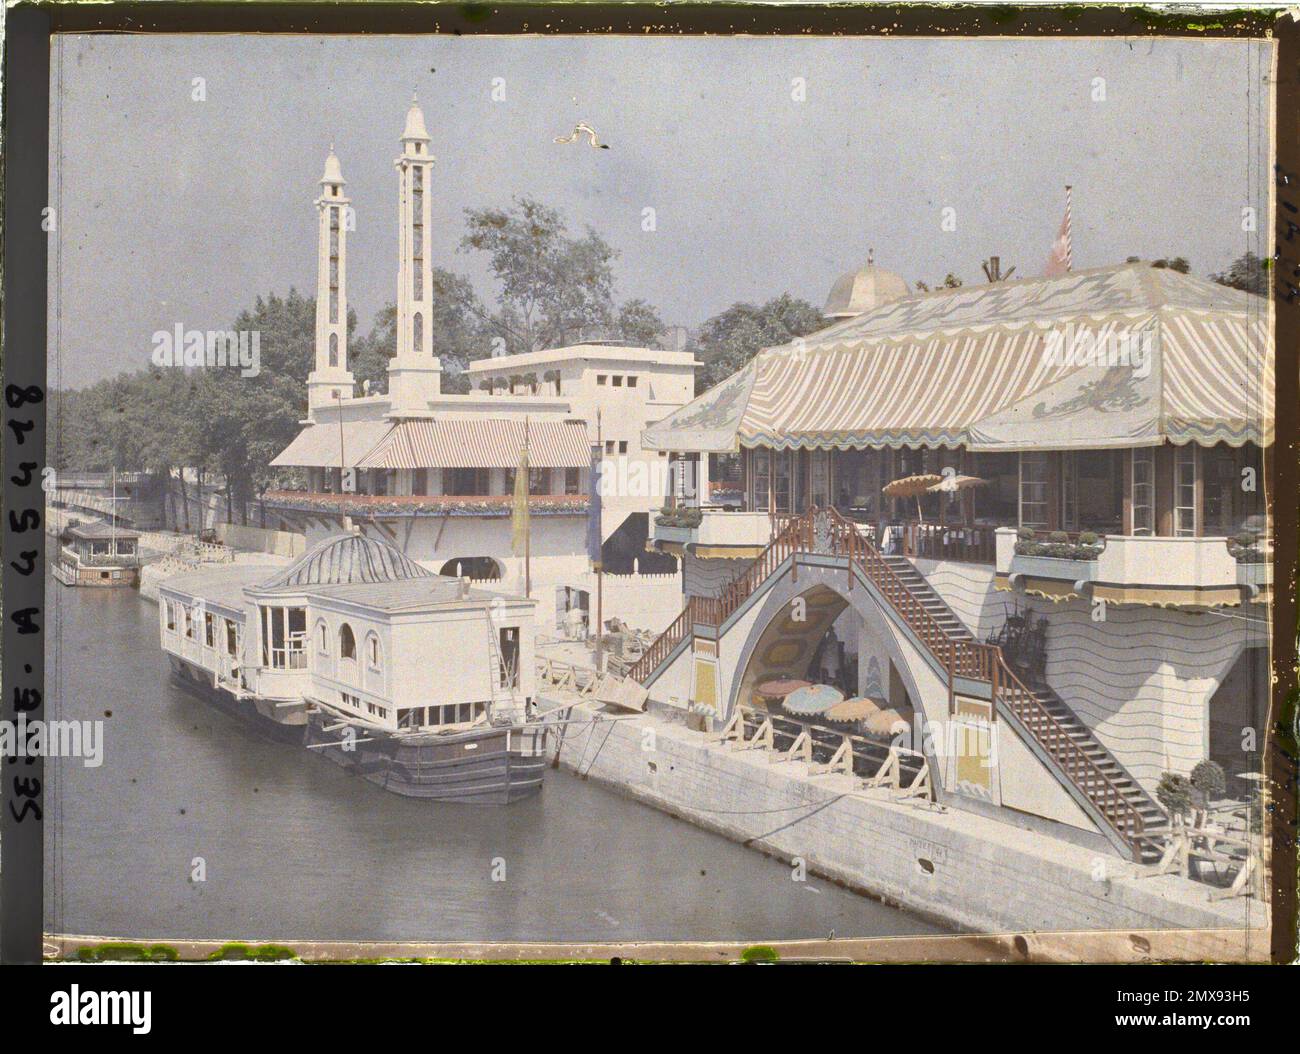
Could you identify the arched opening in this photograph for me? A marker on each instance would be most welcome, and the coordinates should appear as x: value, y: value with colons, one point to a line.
x: 347, y: 642
x: 334, y: 349
x: 417, y: 332
x: 475, y: 568
x: 374, y: 653
x: 819, y: 637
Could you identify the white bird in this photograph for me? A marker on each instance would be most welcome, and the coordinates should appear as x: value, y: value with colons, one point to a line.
x: 580, y: 129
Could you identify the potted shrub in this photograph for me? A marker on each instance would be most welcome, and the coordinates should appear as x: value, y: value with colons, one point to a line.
x: 1175, y: 793
x: 1208, y: 782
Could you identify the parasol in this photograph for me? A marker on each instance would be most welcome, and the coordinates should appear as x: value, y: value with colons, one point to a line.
x: 780, y: 688
x: 851, y: 710
x: 953, y: 484
x: 912, y: 487
x: 812, y: 700
x: 887, y: 723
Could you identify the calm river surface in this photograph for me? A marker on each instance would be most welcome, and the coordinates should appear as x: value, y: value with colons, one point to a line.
x: 295, y: 849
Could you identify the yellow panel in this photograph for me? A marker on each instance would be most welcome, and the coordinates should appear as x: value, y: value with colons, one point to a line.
x: 706, y: 683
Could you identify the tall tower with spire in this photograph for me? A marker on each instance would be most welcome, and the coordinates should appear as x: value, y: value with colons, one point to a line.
x: 331, y: 378
x: 414, y: 374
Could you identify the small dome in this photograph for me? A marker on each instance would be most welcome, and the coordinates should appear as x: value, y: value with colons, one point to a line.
x: 347, y: 558
x: 415, y: 123
x: 333, y: 170
x: 861, y: 291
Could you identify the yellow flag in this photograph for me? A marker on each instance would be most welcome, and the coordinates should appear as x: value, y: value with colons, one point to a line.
x: 519, y: 509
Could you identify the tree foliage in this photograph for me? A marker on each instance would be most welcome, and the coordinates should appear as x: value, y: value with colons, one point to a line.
x: 727, y: 341
x: 1247, y: 272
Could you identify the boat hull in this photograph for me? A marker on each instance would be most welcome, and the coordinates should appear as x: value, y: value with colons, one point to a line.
x: 489, y: 765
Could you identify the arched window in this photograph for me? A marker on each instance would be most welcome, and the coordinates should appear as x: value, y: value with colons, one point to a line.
x: 334, y: 349
x: 347, y: 643
x: 374, y: 653
x: 322, y: 637
x: 477, y: 568
x: 417, y: 333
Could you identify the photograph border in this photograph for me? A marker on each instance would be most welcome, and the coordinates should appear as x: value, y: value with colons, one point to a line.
x: 25, y: 296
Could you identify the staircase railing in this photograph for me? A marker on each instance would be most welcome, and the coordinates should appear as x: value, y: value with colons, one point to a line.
x: 828, y: 532
x: 1073, y: 760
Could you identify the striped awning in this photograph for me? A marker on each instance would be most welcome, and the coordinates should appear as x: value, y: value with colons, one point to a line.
x: 982, y: 367
x: 1207, y: 381
x: 331, y: 445
x: 491, y: 442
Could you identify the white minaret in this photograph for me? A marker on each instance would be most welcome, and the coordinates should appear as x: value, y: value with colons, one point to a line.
x: 331, y: 374
x: 414, y: 372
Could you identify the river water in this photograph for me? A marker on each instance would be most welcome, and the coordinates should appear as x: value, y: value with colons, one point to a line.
x: 293, y: 848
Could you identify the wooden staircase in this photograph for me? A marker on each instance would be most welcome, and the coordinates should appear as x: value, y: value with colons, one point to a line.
x: 1062, y: 740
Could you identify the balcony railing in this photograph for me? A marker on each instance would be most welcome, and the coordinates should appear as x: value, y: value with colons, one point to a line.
x: 1151, y: 561
x: 424, y: 504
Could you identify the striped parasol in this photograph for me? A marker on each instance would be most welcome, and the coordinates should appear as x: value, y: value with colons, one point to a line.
x: 912, y: 487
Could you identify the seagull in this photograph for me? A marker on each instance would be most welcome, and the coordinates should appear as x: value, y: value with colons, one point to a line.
x: 580, y: 129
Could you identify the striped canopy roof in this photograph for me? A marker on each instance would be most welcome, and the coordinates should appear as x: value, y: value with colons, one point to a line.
x: 480, y: 442
x: 971, y: 365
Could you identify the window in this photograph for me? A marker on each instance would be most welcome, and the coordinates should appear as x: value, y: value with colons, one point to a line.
x: 284, y: 638
x: 1185, y: 491
x: 1143, y: 491
x: 322, y: 638
x: 469, y: 481
x: 571, y: 481
x: 622, y: 446
x: 209, y: 630
x: 618, y: 380
x: 99, y: 548
x: 189, y: 620
x: 373, y: 654
x: 609, y: 446
x: 347, y: 643
x: 781, y: 480
x: 600, y: 378
x: 232, y: 637
x: 420, y: 481
x: 169, y: 611
x: 539, y: 481
x: 760, y: 479
x: 126, y: 547
x: 631, y: 382
x: 821, y: 479
x: 1069, y: 491
x: 1033, y: 490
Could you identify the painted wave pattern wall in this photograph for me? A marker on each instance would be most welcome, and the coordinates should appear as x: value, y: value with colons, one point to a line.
x: 1142, y: 679
x: 968, y: 590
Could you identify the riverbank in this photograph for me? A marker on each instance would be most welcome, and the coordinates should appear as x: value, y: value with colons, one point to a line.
x: 964, y: 871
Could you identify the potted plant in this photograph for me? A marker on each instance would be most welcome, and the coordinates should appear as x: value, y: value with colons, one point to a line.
x: 1176, y: 794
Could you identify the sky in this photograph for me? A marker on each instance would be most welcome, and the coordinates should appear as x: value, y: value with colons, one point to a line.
x: 176, y: 211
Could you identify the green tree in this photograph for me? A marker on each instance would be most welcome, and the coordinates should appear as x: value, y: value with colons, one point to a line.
x: 727, y: 341
x: 461, y: 332
x: 1247, y: 272
x: 639, y: 324
x: 551, y: 287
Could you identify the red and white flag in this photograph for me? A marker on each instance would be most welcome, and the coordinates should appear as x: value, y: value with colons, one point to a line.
x: 1061, y: 259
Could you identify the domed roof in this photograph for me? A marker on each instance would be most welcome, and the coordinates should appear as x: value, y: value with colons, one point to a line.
x: 415, y: 122
x: 861, y: 291
x: 333, y: 170
x: 346, y: 559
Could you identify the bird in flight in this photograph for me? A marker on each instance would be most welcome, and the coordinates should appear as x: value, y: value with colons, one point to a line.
x: 580, y: 129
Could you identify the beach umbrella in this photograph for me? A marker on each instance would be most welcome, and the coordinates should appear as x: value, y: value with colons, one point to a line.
x: 954, y: 484
x: 912, y: 487
x: 852, y: 710
x: 812, y: 700
x: 957, y: 484
x: 887, y: 723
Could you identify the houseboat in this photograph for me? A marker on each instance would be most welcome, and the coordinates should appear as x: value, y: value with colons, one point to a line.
x: 98, y: 554
x: 417, y: 682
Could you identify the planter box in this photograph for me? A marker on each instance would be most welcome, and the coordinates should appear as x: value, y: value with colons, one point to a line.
x: 1054, y: 567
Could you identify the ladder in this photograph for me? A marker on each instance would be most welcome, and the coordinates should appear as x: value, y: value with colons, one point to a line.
x: 505, y: 703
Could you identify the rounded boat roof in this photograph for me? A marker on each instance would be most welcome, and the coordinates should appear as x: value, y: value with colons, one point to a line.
x: 346, y: 559
x: 861, y: 291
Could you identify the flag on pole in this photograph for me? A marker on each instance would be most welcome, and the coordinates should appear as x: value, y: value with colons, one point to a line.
x: 1061, y: 259
x: 593, y: 510
x: 519, y: 511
